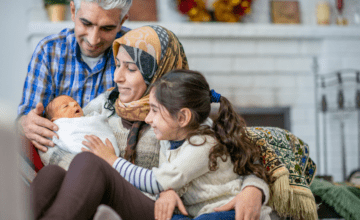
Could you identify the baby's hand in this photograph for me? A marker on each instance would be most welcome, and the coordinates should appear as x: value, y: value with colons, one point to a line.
x: 97, y: 147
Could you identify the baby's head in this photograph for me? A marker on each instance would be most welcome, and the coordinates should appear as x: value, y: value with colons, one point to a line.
x: 63, y: 107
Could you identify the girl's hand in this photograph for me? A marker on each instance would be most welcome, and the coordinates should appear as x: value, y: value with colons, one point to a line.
x: 97, y: 147
x: 165, y: 205
x: 247, y: 204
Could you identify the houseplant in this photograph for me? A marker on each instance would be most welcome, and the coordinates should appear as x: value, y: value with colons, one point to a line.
x: 56, y: 9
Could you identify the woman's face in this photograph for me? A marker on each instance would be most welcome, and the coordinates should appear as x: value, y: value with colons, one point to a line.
x: 128, y: 78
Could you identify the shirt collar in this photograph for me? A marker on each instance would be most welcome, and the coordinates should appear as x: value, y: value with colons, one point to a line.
x: 176, y: 144
x: 107, y: 54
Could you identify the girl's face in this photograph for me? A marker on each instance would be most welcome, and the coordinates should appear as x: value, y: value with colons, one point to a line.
x: 128, y: 78
x: 165, y: 126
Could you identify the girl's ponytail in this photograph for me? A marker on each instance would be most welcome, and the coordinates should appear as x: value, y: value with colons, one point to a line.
x: 230, y: 132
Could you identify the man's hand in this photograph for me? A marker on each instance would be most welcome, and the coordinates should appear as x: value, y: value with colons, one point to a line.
x: 247, y: 204
x: 38, y: 129
x: 165, y: 205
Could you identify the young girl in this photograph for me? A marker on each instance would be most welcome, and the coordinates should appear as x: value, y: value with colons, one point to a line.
x: 200, y: 159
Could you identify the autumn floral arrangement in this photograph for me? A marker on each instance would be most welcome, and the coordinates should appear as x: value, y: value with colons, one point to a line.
x: 215, y: 10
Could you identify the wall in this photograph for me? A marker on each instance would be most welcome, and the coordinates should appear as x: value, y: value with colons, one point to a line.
x: 13, y: 62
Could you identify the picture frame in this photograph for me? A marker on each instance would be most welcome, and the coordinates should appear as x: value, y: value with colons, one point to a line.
x: 285, y: 12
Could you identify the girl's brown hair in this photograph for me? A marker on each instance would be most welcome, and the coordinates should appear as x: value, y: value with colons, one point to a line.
x: 189, y: 89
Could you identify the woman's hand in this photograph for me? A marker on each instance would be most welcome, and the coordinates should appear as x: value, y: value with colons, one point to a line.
x: 96, y: 146
x: 165, y: 205
x: 247, y: 204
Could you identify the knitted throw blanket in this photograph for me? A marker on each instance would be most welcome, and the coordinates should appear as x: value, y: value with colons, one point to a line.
x: 287, y: 157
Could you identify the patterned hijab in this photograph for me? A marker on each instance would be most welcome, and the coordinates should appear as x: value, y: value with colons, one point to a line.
x: 156, y: 51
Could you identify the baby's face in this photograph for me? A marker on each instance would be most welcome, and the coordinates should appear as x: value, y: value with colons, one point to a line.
x: 65, y: 107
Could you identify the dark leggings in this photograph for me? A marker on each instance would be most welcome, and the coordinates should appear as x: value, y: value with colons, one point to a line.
x: 89, y: 182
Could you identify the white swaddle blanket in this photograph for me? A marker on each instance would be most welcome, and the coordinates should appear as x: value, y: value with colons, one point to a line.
x: 72, y: 131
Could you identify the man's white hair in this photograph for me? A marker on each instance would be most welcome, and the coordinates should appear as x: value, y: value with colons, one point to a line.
x: 124, y: 5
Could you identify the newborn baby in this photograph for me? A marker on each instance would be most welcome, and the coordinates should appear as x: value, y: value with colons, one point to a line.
x: 66, y: 113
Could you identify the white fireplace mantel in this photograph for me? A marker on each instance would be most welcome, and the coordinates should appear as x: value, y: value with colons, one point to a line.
x: 227, y: 30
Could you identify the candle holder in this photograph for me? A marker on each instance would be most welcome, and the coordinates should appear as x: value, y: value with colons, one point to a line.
x: 340, y: 19
x: 323, y: 12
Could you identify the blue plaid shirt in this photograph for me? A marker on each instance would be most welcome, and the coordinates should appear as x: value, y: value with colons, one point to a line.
x: 56, y: 68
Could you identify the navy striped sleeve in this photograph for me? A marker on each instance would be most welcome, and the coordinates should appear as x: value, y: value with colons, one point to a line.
x: 141, y: 178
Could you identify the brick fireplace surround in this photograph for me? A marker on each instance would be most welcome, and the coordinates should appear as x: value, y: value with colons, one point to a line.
x: 263, y: 66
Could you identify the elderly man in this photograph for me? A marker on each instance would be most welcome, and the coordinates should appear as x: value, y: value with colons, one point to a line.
x: 76, y: 62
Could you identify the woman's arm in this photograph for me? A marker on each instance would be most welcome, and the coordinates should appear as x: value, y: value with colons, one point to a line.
x: 256, y: 182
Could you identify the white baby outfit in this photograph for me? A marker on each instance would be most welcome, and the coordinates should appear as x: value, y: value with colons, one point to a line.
x: 72, y: 131
x: 71, y: 135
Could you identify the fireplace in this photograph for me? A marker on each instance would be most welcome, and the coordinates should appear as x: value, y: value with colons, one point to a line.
x: 266, y: 116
